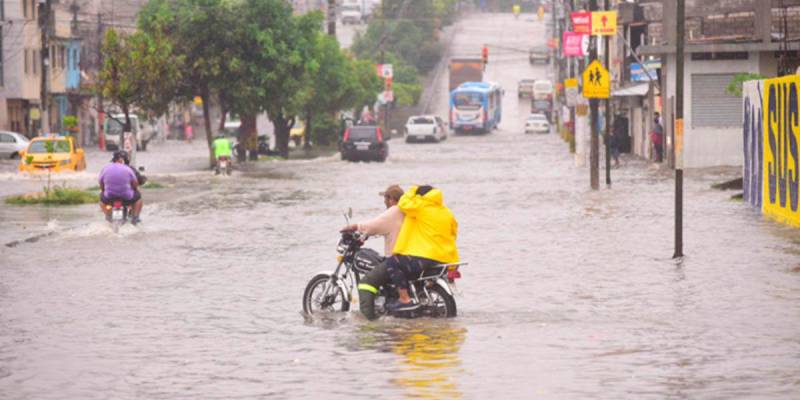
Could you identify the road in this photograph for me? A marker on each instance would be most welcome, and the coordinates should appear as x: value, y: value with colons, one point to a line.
x: 569, y: 294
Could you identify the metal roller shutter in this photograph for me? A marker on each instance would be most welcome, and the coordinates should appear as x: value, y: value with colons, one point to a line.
x: 711, y: 104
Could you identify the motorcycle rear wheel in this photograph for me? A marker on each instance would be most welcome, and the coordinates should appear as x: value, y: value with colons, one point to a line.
x: 315, y: 299
x: 440, y: 304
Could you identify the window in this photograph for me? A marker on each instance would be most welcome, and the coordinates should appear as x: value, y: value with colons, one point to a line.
x: 2, y: 11
x: 712, y: 106
x: 25, y: 9
x: 6, y: 138
x: 27, y: 66
x: 35, y: 61
x: 61, y: 56
x: 1, y: 49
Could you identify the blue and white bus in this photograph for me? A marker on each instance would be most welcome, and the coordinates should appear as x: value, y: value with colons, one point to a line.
x: 476, y: 107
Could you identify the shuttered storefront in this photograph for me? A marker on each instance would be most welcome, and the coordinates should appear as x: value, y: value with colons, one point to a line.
x: 712, y: 106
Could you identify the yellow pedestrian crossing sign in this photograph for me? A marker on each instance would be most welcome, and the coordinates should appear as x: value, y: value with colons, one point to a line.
x: 596, y: 81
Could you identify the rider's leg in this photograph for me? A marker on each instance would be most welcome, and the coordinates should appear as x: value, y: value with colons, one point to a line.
x: 401, y: 268
x: 137, y: 208
x: 368, y: 289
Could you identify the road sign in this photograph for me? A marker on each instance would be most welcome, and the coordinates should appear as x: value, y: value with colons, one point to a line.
x: 385, y: 71
x: 581, y: 22
x: 571, y: 91
x: 596, y: 81
x: 604, y: 23
x: 573, y: 44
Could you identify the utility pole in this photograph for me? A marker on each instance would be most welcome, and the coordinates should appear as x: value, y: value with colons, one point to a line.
x: 677, y: 146
x: 607, y: 103
x: 332, y: 18
x: 594, y: 154
x: 44, y: 27
x: 101, y: 136
x: 383, y: 40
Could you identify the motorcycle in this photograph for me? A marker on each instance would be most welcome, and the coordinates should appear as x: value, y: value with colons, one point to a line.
x: 223, y: 165
x: 119, y: 215
x: 329, y: 292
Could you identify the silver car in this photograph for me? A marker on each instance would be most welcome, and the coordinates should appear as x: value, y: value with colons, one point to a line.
x: 11, y: 144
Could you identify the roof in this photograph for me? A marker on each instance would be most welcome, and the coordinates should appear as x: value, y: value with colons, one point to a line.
x: 639, y: 89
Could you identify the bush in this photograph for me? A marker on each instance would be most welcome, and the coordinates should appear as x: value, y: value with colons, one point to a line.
x: 58, y: 196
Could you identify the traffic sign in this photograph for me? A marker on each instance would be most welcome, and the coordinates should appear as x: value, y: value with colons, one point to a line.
x: 596, y: 81
x: 604, y: 23
x: 571, y: 91
x: 385, y: 70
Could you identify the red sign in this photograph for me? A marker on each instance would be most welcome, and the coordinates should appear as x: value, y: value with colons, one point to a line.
x: 573, y: 44
x: 581, y: 21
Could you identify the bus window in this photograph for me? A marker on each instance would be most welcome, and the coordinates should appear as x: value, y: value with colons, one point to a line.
x: 468, y: 101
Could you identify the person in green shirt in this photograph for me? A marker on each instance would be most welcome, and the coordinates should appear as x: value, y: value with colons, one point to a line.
x: 222, y: 148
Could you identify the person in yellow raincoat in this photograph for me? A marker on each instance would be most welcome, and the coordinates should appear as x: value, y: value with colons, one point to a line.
x: 427, y: 238
x: 515, y: 9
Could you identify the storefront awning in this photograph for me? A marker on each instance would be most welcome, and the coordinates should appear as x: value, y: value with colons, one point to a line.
x: 639, y: 89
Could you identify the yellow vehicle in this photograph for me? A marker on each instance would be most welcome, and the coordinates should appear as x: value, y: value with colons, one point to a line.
x: 297, y: 132
x: 54, y: 153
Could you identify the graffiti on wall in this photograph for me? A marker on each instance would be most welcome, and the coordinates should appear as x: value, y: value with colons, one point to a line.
x: 781, y: 157
x: 753, y: 141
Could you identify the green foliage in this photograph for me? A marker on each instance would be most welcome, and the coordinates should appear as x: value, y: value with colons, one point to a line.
x: 140, y: 71
x: 70, y: 122
x: 406, y: 94
x: 735, y: 87
x: 56, y: 196
x: 153, y: 185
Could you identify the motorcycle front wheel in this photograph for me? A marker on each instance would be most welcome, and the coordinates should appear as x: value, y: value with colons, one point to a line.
x: 324, y: 295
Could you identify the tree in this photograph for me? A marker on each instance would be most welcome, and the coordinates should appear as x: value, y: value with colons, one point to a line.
x: 336, y: 83
x: 280, y: 61
x: 199, y: 30
x: 138, y: 71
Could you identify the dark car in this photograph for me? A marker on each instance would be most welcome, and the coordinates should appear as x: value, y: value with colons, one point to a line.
x: 364, y: 143
x: 539, y: 54
x: 542, y: 107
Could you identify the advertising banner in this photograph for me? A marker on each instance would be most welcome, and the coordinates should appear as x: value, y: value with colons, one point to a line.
x: 573, y: 44
x: 581, y: 22
x: 781, y: 142
x: 604, y: 23
x: 753, y: 141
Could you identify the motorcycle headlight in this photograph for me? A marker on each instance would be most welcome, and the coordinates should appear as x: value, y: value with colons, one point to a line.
x: 341, y: 248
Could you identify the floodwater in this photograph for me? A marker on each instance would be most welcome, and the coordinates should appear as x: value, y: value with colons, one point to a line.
x: 569, y: 294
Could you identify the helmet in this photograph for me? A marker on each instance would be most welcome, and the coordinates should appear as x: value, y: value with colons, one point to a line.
x: 121, y: 154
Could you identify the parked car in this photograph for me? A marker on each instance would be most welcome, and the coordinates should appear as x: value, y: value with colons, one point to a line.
x: 537, y: 123
x: 525, y: 88
x: 425, y: 128
x: 297, y: 132
x: 539, y: 54
x: 364, y: 142
x: 53, y: 152
x: 542, y: 107
x: 12, y: 144
x: 113, y: 127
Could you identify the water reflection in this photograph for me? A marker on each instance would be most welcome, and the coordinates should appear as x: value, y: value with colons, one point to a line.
x: 429, y: 363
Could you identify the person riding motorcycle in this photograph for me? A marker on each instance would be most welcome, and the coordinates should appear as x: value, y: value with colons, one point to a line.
x: 222, y: 148
x: 427, y: 238
x: 515, y: 9
x: 388, y: 225
x: 118, y: 182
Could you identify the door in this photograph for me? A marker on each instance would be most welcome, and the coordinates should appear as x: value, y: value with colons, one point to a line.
x: 7, y: 143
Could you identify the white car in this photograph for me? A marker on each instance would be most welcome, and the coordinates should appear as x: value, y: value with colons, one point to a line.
x: 113, y: 128
x: 11, y: 143
x: 537, y: 123
x: 425, y: 128
x: 542, y: 89
x: 351, y: 13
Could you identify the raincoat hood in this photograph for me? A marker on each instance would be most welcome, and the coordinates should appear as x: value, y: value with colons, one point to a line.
x: 429, y: 229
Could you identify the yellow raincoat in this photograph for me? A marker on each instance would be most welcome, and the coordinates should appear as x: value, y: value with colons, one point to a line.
x: 429, y: 229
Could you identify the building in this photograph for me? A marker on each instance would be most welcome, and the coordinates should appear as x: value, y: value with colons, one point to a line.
x: 723, y: 38
x: 20, y: 71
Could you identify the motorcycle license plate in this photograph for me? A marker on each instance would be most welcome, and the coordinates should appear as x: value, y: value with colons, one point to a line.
x: 116, y: 214
x: 223, y: 164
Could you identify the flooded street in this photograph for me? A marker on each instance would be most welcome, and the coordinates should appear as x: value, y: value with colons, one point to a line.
x: 569, y: 294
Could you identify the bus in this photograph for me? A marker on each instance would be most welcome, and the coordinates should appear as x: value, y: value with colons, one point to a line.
x: 476, y: 107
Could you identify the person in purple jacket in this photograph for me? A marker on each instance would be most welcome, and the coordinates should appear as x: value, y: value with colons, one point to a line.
x: 118, y: 183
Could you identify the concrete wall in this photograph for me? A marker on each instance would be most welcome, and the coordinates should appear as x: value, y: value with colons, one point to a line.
x: 711, y: 146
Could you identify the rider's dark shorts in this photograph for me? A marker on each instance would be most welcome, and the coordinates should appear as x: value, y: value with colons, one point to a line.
x: 136, y: 197
x: 404, y: 268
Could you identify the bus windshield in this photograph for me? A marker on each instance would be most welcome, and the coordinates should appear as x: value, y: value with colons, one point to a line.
x: 467, y: 101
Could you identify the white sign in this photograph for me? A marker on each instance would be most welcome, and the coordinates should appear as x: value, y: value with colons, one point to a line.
x: 388, y: 96
x: 387, y: 71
